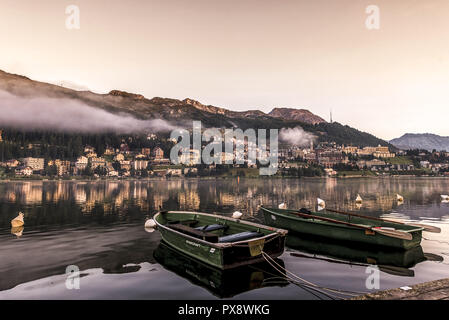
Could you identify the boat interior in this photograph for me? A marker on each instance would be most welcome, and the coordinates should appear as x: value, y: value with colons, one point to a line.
x: 343, y: 218
x: 212, y: 229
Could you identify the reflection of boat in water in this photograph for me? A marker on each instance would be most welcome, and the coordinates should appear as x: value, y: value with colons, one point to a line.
x: 391, y: 261
x: 221, y: 283
x: 17, y: 231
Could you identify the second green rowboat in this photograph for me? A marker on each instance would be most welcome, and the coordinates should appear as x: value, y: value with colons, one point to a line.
x: 344, y: 227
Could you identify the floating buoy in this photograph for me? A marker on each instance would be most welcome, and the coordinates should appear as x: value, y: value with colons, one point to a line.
x: 445, y: 197
x: 399, y: 197
x: 358, y: 199
x: 18, y: 221
x: 237, y: 215
x: 321, y: 203
x: 150, y: 223
x: 282, y: 206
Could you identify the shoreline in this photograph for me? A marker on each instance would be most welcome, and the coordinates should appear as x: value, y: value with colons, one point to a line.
x: 432, y: 290
x: 219, y: 178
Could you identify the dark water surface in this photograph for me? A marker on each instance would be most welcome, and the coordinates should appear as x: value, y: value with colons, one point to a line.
x: 98, y: 226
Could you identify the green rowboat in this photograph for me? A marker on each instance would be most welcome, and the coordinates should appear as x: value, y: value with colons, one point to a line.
x: 345, y: 228
x: 219, y: 241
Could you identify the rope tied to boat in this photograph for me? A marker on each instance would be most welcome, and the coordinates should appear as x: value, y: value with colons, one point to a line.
x: 303, y: 282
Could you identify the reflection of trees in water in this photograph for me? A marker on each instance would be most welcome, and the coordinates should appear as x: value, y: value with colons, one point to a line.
x: 68, y: 201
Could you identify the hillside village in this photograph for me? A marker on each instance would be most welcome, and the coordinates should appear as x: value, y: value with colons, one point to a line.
x: 325, y: 159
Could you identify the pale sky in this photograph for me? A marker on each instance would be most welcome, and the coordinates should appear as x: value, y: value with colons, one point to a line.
x: 248, y: 54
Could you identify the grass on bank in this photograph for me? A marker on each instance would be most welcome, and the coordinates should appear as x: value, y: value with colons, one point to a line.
x: 243, y: 172
x: 356, y: 173
x: 404, y: 160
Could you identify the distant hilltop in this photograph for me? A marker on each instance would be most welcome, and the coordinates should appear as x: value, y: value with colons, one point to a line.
x: 302, y: 115
x: 426, y: 141
x: 182, y: 112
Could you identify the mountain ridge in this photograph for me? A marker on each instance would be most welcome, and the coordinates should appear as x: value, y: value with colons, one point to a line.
x: 427, y: 141
x: 180, y: 112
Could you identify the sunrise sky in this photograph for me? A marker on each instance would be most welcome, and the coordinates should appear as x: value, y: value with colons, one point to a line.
x: 247, y: 54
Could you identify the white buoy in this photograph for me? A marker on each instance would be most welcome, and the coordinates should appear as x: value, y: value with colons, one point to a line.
x: 282, y: 206
x: 399, y: 197
x: 149, y: 230
x: 150, y: 223
x: 358, y: 199
x: 18, y: 221
x: 321, y: 203
x: 444, y: 197
x: 237, y: 215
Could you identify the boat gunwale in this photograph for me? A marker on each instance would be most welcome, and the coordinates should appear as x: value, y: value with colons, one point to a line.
x: 325, y: 223
x: 276, y: 231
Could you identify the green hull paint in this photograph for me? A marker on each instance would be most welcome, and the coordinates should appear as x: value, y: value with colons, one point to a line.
x: 194, y: 248
x: 283, y: 219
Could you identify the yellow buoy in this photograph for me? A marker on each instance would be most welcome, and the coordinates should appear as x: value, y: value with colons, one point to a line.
x: 18, y: 221
x: 17, y: 231
x: 399, y: 198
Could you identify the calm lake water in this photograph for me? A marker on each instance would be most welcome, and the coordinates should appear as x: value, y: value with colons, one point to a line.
x: 98, y: 226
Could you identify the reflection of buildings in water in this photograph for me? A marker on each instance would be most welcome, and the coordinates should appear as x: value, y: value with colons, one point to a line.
x: 31, y: 192
x: 247, y: 196
x: 226, y: 199
x: 189, y: 199
x: 158, y: 200
x: 331, y: 184
x: 139, y: 193
x: 107, y: 208
x: 174, y: 184
x: 10, y: 196
x: 61, y: 192
x: 87, y: 206
x: 80, y: 194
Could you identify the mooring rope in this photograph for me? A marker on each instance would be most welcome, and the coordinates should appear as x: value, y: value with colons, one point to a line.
x: 305, y: 282
x: 303, y: 286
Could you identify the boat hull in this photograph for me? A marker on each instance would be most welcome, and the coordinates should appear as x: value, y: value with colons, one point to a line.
x: 222, y: 255
x: 280, y: 219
